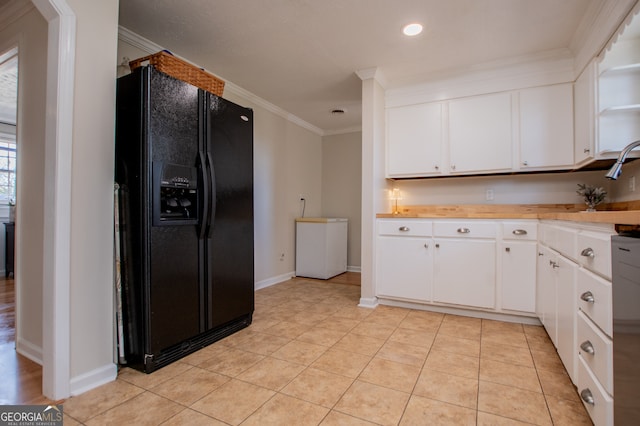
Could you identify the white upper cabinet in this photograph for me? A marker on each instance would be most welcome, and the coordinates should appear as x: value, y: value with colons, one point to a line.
x: 480, y: 134
x: 414, y: 140
x: 546, y: 127
x: 584, y: 101
x: 619, y: 92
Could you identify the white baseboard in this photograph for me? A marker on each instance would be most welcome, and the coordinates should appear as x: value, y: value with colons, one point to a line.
x: 357, y: 269
x: 274, y: 280
x: 29, y: 350
x: 92, y: 379
x: 368, y: 302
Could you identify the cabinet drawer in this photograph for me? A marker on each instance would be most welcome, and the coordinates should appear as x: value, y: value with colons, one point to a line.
x: 596, y: 349
x: 600, y: 309
x: 410, y: 228
x: 519, y: 230
x: 465, y: 229
x: 601, y: 410
x: 594, y: 251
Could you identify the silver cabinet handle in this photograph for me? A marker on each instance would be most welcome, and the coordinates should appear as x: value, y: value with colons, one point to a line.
x: 525, y: 163
x: 587, y: 396
x: 507, y: 249
x: 437, y: 245
x: 463, y: 230
x: 554, y: 264
x: 588, y: 252
x: 519, y: 232
x: 453, y: 167
x: 587, y: 346
x: 587, y: 296
x: 437, y: 167
x: 586, y: 150
x: 426, y: 245
x: 540, y: 253
x: 403, y: 228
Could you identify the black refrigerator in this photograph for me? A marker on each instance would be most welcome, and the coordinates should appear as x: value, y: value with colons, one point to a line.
x: 184, y: 166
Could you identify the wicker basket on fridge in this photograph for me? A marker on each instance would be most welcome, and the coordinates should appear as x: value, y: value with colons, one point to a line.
x: 182, y: 70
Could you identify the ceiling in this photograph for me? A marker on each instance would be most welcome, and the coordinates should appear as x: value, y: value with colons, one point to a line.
x: 302, y: 55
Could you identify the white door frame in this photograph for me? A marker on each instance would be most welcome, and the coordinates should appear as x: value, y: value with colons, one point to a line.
x: 56, y: 323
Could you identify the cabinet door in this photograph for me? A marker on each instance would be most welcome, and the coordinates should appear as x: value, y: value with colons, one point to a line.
x: 567, y: 311
x: 519, y: 276
x: 480, y: 134
x: 465, y: 272
x: 547, y: 292
x: 584, y: 92
x: 404, y: 267
x: 546, y: 127
x: 414, y: 140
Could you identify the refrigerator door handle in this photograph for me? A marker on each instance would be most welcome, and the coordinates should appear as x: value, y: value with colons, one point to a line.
x: 203, y: 184
x: 212, y: 180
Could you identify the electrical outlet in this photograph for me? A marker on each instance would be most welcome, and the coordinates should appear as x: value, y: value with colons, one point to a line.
x: 489, y: 195
x: 632, y: 184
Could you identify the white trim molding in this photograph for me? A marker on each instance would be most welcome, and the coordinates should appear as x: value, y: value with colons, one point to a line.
x: 56, y: 339
x: 92, y: 379
x: 150, y: 47
x: 273, y: 280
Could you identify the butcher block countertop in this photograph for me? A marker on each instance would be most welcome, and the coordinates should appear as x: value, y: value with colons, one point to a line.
x: 626, y: 213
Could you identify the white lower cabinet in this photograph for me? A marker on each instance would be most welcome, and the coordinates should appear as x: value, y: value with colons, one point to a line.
x: 404, y: 267
x: 465, y: 272
x: 518, y: 266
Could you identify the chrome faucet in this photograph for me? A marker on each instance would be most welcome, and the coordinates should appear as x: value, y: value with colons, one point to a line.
x: 616, y: 169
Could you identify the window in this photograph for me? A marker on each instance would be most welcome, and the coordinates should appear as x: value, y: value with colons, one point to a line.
x: 7, y: 166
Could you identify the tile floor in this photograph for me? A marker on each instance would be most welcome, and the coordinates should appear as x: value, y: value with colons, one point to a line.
x: 312, y: 357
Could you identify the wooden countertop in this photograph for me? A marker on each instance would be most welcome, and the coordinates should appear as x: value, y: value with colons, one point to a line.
x: 627, y: 213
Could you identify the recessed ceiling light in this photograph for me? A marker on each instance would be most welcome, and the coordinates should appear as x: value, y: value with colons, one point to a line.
x: 412, y: 29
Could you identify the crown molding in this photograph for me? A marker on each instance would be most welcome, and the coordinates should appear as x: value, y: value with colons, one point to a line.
x: 353, y: 129
x: 373, y: 73
x: 150, y: 47
x: 597, y: 29
x: 545, y: 68
x: 13, y: 11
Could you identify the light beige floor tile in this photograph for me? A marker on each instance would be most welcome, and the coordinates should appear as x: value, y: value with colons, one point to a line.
x: 336, y: 418
x: 373, y: 329
x: 232, y: 362
x: 271, y: 373
x: 403, y: 353
x: 567, y: 413
x: 190, y: 386
x: 69, y: 421
x: 456, y: 345
x: 558, y: 384
x: 424, y: 411
x: 233, y: 402
x: 460, y: 330
x: 190, y: 417
x: 540, y: 343
x: 318, y: 386
x: 509, y: 374
x: 454, y: 364
x: 263, y: 322
x: 461, y: 320
x: 353, y: 312
x: 99, y: 400
x: 287, y: 329
x: 513, y: 403
x: 147, y: 381
x: 359, y: 343
x: 262, y: 343
x: 486, y: 419
x: 336, y: 361
x: 447, y: 388
x: 321, y: 336
x: 309, y: 318
x: 548, y: 361
x: 534, y: 330
x: 413, y: 337
x: 388, y: 315
x: 300, y: 352
x: 338, y: 323
x: 498, y: 326
x: 428, y: 322
x: 146, y: 408
x: 508, y: 354
x: 285, y: 410
x: 508, y: 338
x: 390, y: 374
x: 373, y: 403
x: 204, y: 354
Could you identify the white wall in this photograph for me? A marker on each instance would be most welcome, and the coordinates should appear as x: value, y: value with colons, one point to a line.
x: 342, y: 187
x: 619, y: 189
x: 91, y: 254
x: 29, y: 32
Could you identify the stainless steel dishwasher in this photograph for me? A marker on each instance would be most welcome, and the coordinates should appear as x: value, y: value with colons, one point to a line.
x: 625, y: 251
